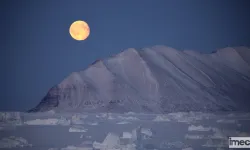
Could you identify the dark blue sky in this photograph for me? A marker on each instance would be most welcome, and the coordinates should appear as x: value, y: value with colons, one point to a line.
x: 37, y: 52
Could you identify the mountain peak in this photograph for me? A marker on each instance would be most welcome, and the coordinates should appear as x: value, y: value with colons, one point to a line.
x: 157, y: 79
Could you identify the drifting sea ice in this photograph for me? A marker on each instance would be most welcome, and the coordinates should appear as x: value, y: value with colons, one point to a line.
x: 13, y: 118
x: 53, y: 149
x: 224, y: 134
x: 113, y: 142
x: 102, y: 115
x: 182, y: 117
x: 172, y: 144
x: 137, y: 138
x: 97, y: 145
x: 218, y: 134
x: 189, y: 148
x: 189, y: 117
x: 51, y: 112
x: 50, y: 121
x: 92, y: 123
x: 77, y: 119
x: 147, y: 132
x: 162, y: 118
x: 77, y: 129
x: 76, y: 148
x: 128, y: 118
x: 226, y: 121
x: 123, y: 122
x: 111, y: 117
x: 110, y: 142
x: 126, y: 135
x: 12, y: 142
x: 9, y: 116
x: 216, y: 144
x: 198, y: 128
x: 194, y: 137
x: 79, y: 116
x: 63, y: 121
x: 130, y: 113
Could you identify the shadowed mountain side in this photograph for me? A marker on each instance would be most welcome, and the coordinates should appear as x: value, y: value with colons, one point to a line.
x: 159, y: 79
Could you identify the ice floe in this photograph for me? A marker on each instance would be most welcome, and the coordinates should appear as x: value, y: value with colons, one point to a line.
x: 183, y: 117
x: 13, y: 118
x: 224, y: 134
x: 9, y: 116
x: 49, y: 121
x: 111, y: 117
x: 127, y: 118
x: 97, y: 145
x: 189, y: 117
x: 130, y: 113
x: 188, y: 148
x: 93, y: 123
x: 113, y: 142
x: 216, y: 143
x: 102, y: 115
x: 136, y: 134
x: 172, y: 144
x: 77, y: 129
x: 218, y: 134
x: 162, y: 118
x: 226, y: 121
x: 86, y: 143
x: 123, y: 122
x: 63, y: 121
x: 198, y: 128
x: 194, y: 136
x: 127, y: 135
x: 78, y: 119
x: 219, y: 148
x: 88, y: 136
x: 70, y: 147
x: 7, y: 127
x: 52, y: 112
x: 147, y: 132
x: 12, y: 142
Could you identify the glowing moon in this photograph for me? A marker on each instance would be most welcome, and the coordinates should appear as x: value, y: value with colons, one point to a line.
x: 79, y: 30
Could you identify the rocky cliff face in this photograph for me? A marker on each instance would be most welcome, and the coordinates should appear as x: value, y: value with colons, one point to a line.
x: 158, y: 79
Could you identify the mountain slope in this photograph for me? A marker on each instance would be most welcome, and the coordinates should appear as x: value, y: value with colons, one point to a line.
x: 159, y: 79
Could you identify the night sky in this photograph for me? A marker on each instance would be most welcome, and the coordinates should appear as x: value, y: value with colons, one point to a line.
x: 37, y: 52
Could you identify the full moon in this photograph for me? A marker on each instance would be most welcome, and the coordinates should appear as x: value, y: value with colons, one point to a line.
x: 79, y: 30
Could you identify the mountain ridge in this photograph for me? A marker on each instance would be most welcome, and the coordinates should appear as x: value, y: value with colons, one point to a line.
x: 158, y: 79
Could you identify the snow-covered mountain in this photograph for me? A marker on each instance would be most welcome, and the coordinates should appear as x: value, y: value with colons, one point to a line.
x: 159, y: 79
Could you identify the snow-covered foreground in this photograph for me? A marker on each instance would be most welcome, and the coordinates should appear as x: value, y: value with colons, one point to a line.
x: 106, y: 131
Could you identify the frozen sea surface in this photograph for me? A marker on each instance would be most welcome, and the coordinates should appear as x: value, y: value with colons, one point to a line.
x: 131, y: 131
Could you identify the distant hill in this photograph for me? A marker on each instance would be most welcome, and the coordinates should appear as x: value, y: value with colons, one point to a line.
x: 159, y: 79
